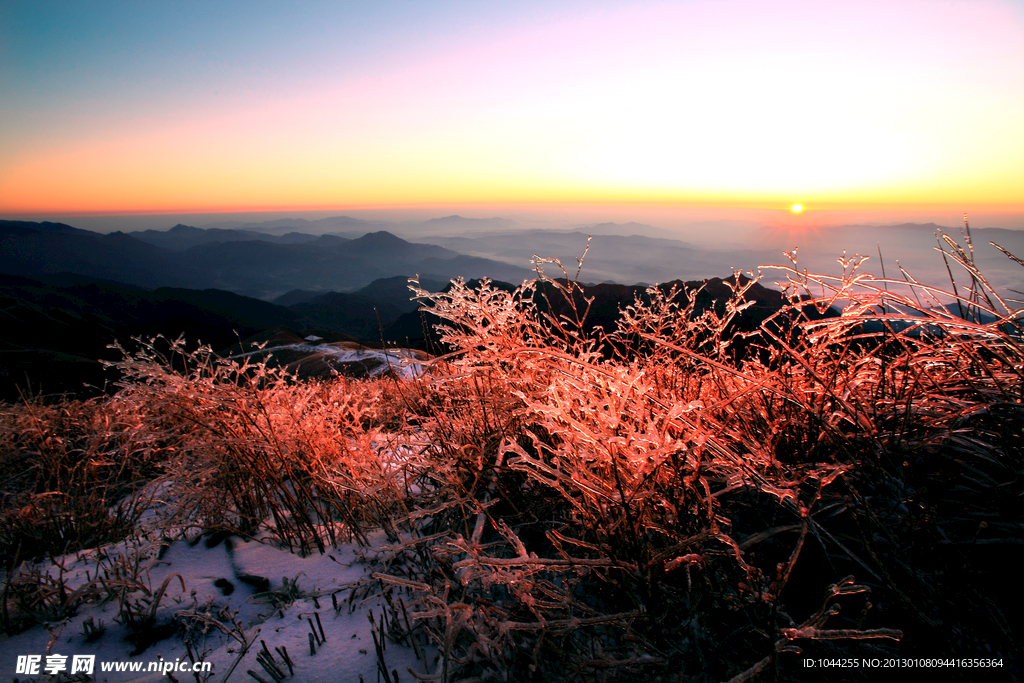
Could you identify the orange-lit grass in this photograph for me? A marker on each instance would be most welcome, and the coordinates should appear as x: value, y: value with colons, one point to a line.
x: 252, y: 448
x: 611, y: 506
x: 69, y: 472
x: 646, y: 502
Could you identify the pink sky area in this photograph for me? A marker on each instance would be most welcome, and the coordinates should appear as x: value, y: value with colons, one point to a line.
x: 663, y: 113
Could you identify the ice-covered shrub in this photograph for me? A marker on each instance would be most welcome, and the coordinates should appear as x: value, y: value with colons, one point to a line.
x: 604, y: 504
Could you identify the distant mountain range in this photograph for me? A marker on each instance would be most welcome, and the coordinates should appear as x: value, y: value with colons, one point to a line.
x: 626, y: 230
x: 354, y: 227
x: 182, y: 237
x: 257, y: 265
x: 334, y: 224
x: 643, y: 256
x: 267, y: 260
x: 612, y: 257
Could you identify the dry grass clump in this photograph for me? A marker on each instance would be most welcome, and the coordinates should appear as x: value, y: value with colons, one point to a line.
x: 68, y: 471
x: 677, y: 499
x: 228, y: 445
x: 581, y: 498
x: 649, y: 502
x: 250, y: 448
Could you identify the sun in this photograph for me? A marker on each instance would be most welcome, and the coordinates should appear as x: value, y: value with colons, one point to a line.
x: 796, y: 208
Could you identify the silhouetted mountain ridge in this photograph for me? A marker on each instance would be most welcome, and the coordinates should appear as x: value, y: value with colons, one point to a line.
x: 354, y: 314
x: 45, y: 226
x: 259, y: 268
x: 182, y: 237
x: 53, y: 335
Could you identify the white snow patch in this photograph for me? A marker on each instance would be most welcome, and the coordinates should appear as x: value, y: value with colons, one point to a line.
x: 403, y: 361
x: 347, y: 653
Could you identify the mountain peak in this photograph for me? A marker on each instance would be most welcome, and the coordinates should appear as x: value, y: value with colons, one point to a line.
x: 381, y: 238
x: 45, y: 226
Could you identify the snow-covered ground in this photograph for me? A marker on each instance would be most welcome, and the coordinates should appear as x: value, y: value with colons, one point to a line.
x: 405, y: 362
x: 238, y: 594
x: 218, y: 600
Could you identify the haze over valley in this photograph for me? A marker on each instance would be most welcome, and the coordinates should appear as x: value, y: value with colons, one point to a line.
x: 266, y: 259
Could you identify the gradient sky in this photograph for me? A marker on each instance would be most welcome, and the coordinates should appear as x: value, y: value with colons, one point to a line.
x: 179, y: 106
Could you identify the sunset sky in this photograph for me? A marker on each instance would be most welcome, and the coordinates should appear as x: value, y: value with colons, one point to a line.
x: 179, y: 106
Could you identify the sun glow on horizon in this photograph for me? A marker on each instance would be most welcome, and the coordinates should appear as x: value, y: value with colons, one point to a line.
x: 796, y: 208
x: 555, y: 103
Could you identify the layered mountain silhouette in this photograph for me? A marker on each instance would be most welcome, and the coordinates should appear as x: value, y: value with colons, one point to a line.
x: 252, y: 264
x: 182, y: 237
x: 32, y: 249
x: 644, y: 256
x: 54, y: 332
x: 611, y: 257
x: 345, y: 225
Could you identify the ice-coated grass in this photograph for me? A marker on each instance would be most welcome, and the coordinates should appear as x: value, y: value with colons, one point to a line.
x: 671, y: 500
